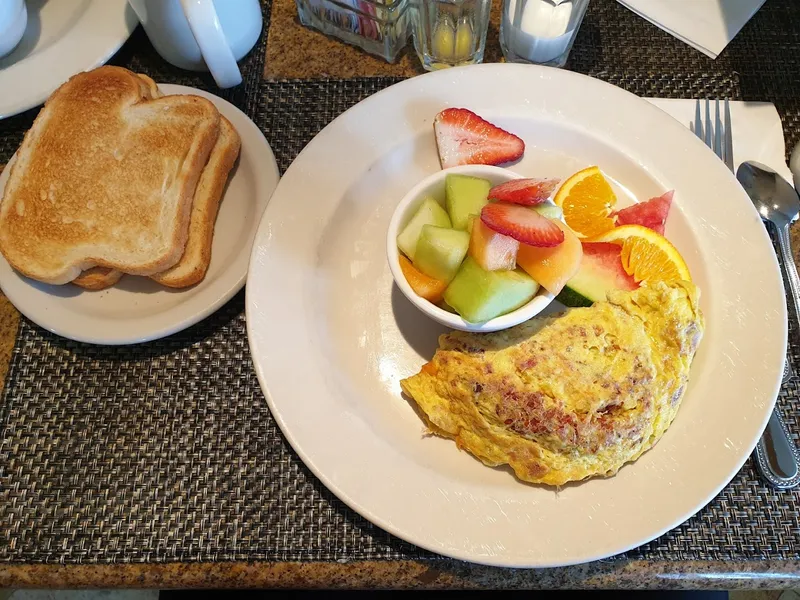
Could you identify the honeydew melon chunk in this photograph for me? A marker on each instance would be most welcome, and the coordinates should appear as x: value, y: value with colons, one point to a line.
x: 479, y: 295
x: 464, y: 196
x: 440, y: 251
x: 430, y: 212
x: 551, y: 211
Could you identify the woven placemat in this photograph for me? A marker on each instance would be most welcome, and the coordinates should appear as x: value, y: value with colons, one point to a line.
x: 167, y: 451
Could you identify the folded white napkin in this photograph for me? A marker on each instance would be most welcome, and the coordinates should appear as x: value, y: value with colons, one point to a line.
x: 708, y: 25
x: 756, y: 126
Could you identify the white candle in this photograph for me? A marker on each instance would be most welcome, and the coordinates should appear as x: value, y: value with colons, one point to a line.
x: 541, y: 35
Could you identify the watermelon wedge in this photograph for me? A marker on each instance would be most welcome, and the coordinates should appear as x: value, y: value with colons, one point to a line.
x: 600, y: 272
x: 652, y: 214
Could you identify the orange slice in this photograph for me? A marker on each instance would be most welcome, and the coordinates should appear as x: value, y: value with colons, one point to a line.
x: 647, y: 255
x: 587, y: 199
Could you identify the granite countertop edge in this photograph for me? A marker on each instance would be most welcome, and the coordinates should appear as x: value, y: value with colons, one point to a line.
x: 435, y: 573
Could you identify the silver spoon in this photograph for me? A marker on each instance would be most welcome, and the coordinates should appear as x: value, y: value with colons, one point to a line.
x: 776, y: 201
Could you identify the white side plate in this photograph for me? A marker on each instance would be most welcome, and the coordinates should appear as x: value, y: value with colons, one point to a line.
x: 137, y: 309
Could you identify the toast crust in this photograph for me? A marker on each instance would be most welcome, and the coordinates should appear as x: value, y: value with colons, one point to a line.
x: 105, y: 177
x: 192, y: 266
x: 98, y: 278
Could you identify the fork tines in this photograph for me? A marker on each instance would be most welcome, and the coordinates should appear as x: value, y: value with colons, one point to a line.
x: 718, y: 134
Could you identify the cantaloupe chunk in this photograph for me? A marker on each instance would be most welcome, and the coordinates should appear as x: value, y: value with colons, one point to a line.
x: 491, y: 250
x: 426, y: 287
x: 552, y: 267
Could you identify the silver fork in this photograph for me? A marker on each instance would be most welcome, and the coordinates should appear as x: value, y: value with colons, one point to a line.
x: 776, y: 455
x: 719, y: 137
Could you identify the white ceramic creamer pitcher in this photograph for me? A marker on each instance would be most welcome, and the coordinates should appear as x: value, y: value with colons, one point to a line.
x: 202, y: 35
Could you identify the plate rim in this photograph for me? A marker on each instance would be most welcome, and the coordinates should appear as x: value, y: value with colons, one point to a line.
x: 386, y: 524
x: 264, y: 157
x: 95, y: 8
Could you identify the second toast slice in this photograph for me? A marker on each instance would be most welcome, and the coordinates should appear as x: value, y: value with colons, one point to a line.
x: 192, y: 266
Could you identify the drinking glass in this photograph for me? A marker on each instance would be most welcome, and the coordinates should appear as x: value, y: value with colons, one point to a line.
x: 448, y: 33
x: 540, y: 31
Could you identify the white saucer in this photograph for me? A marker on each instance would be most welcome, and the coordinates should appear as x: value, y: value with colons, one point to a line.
x: 63, y: 37
x: 137, y: 309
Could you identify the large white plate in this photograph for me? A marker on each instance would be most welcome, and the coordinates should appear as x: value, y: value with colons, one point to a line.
x: 331, y: 336
x: 63, y: 37
x: 137, y: 309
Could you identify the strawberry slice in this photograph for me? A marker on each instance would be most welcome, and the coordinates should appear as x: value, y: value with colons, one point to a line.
x: 464, y: 138
x: 523, y: 224
x: 528, y: 192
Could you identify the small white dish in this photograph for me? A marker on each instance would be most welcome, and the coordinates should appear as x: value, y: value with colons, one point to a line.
x: 433, y: 186
x: 137, y: 309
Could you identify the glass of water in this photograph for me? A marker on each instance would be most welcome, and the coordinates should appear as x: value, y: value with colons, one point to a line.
x: 540, y: 31
x: 449, y: 33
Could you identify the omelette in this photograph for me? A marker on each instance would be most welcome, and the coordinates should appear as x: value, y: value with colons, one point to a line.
x: 567, y: 397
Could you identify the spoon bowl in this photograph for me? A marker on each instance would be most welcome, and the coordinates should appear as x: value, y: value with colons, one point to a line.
x: 773, y: 196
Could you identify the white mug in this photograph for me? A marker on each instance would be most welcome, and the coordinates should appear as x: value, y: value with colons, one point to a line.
x: 13, y: 20
x: 201, y: 35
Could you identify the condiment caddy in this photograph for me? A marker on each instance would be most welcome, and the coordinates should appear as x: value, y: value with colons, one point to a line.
x: 380, y: 27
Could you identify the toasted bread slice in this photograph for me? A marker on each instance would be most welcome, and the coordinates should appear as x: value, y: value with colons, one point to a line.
x: 105, y: 177
x: 194, y: 263
x: 100, y: 278
x: 192, y: 266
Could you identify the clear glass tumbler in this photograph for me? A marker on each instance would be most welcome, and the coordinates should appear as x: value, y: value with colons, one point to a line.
x: 448, y: 33
x: 540, y: 31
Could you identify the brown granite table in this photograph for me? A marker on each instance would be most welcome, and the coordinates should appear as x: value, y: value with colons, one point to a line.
x: 297, y: 54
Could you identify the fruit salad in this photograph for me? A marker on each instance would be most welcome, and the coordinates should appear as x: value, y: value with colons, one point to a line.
x: 487, y: 250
